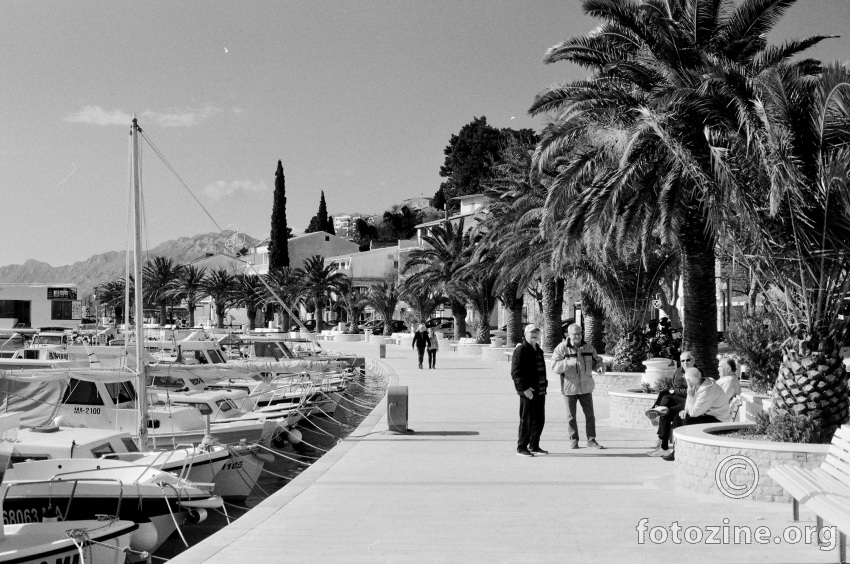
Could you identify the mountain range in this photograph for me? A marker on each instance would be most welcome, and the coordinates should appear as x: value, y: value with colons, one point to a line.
x: 111, y: 265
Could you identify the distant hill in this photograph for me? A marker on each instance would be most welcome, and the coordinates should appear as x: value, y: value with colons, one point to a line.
x: 109, y: 266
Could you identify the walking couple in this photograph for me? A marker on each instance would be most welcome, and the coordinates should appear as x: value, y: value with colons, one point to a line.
x: 575, y: 361
x: 426, y: 341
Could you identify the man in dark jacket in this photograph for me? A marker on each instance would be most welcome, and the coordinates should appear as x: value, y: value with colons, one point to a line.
x: 528, y: 370
x: 420, y: 342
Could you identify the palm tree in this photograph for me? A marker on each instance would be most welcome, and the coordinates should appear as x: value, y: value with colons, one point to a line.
x: 422, y: 302
x: 221, y: 286
x: 250, y: 293
x: 353, y: 301
x: 159, y: 277
x: 802, y: 250
x: 435, y: 267
x: 112, y: 295
x: 285, y: 285
x: 384, y: 297
x: 317, y: 283
x: 190, y: 287
x: 668, y: 80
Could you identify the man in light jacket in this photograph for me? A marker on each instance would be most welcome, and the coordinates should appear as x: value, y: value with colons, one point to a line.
x: 575, y: 361
x: 706, y: 403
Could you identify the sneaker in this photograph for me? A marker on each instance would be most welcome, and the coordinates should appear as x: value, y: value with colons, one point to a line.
x: 574, y: 444
x: 654, y: 413
x: 593, y: 444
x: 538, y: 450
x: 670, y: 457
x: 524, y: 452
x: 659, y: 452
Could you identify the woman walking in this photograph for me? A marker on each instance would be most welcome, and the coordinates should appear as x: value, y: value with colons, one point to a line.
x: 433, y: 347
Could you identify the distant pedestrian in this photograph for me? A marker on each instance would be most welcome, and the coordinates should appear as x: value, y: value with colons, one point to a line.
x: 528, y: 371
x: 421, y: 342
x: 575, y: 361
x: 433, y: 347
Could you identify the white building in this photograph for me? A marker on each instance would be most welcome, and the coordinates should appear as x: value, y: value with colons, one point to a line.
x: 40, y: 305
x: 301, y: 247
x: 472, y: 209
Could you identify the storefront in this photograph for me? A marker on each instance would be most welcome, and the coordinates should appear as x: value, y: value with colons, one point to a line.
x: 40, y: 305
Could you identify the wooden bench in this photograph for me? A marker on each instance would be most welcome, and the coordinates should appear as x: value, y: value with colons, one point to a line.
x: 825, y: 490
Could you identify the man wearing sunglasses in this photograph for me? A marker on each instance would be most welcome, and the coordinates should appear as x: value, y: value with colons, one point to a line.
x: 575, y: 361
x: 669, y: 403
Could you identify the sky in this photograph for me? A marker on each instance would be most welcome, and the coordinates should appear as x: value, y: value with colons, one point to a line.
x: 357, y: 99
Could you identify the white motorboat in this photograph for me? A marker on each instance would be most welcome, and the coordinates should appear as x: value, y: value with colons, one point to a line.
x: 233, y: 469
x: 98, y: 541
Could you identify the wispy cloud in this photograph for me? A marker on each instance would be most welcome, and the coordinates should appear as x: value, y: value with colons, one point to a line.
x: 95, y: 115
x: 222, y: 189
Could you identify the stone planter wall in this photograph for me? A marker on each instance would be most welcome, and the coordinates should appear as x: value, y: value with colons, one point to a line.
x: 699, y: 453
x: 752, y: 405
x: 628, y: 409
x: 470, y: 349
x: 348, y: 338
x: 494, y: 354
x: 615, y: 381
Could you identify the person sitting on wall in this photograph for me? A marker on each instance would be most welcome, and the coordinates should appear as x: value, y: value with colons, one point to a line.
x: 668, y: 404
x: 728, y: 380
x: 706, y: 403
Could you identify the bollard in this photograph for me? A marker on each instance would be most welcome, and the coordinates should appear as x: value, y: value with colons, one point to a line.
x: 382, y: 350
x: 397, y: 409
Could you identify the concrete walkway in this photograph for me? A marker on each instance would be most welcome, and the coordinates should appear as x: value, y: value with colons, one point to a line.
x: 455, y: 491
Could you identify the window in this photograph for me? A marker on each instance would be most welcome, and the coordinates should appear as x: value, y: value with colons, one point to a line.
x: 102, y: 450
x: 60, y: 309
x: 225, y: 405
x: 121, y: 392
x: 130, y: 444
x: 7, y: 308
x: 80, y: 392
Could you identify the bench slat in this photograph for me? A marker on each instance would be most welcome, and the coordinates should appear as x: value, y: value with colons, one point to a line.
x: 832, y: 509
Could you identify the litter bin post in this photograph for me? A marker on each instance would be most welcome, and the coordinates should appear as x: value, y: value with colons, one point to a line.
x: 397, y: 409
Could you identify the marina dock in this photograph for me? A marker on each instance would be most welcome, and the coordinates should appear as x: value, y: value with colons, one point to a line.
x: 454, y: 490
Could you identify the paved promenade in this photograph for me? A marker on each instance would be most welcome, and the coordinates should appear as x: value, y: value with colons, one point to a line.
x: 455, y: 491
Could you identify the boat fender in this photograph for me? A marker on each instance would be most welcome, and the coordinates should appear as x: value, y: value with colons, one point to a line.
x: 144, y: 538
x: 196, y: 516
x: 266, y: 457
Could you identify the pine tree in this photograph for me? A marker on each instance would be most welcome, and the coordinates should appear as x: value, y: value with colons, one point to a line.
x: 278, y: 246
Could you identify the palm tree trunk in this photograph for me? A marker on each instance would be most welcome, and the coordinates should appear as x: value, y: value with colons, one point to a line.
x: 219, y: 314
x: 388, y: 322
x: 191, y: 307
x: 553, y: 305
x: 459, y: 314
x: 593, y: 322
x: 252, y: 318
x: 320, y: 313
x: 700, y: 305
x: 163, y: 313
x: 513, y: 314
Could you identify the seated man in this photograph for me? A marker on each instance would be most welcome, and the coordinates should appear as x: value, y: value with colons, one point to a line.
x: 706, y: 403
x: 729, y: 377
x: 668, y: 404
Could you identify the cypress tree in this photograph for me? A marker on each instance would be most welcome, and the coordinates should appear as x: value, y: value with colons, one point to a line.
x: 278, y: 245
x: 325, y: 222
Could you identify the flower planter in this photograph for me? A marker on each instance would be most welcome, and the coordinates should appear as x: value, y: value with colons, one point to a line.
x: 615, y: 381
x: 628, y: 408
x: 753, y: 404
x: 494, y: 354
x: 348, y: 338
x: 700, y: 452
x: 656, y: 369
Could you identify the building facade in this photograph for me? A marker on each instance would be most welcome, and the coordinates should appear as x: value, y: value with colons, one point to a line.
x: 40, y: 305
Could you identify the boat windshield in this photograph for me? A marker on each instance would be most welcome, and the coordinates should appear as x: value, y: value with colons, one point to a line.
x: 275, y: 350
x: 166, y: 381
x: 121, y: 392
x: 48, y: 340
x: 81, y: 392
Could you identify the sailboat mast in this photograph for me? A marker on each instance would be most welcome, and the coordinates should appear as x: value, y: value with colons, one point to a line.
x: 142, y: 399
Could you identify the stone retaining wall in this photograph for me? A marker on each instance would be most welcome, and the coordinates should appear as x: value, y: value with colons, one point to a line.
x: 348, y: 338
x: 699, y: 453
x: 470, y: 349
x: 494, y: 353
x: 615, y: 381
x: 628, y: 409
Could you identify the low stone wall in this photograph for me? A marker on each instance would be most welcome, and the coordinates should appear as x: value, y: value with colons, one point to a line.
x: 699, y: 452
x: 615, y: 381
x: 628, y: 409
x: 348, y: 338
x: 469, y: 349
x: 494, y: 354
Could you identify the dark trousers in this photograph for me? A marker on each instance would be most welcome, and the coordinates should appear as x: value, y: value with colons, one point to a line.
x: 680, y: 421
x: 674, y: 405
x: 586, y: 401
x: 432, y: 358
x: 532, y: 417
x: 421, y: 353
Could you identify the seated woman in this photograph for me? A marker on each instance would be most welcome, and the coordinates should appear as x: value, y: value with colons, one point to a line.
x: 729, y: 377
x: 706, y: 403
x: 669, y: 403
